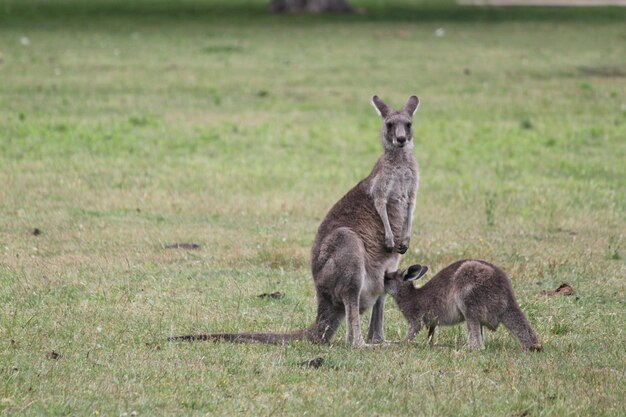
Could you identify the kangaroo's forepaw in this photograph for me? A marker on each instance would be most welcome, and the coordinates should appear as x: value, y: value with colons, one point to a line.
x: 404, y: 245
x: 389, y: 243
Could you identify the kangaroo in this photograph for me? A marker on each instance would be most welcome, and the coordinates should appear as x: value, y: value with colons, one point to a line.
x: 361, y: 238
x: 469, y: 290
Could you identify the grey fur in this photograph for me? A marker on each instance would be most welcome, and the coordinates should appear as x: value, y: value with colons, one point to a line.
x: 474, y: 291
x: 361, y: 237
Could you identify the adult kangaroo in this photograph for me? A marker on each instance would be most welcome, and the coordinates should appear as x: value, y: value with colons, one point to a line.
x: 360, y: 239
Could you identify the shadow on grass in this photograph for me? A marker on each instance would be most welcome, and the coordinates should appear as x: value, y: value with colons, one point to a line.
x: 404, y: 11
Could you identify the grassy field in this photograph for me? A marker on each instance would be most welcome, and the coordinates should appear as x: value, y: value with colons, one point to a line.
x: 127, y: 126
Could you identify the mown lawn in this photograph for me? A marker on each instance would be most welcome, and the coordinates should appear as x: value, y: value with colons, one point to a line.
x: 127, y: 126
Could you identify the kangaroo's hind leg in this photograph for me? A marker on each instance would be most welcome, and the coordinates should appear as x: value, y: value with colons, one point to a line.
x: 376, y: 333
x: 475, y: 334
x: 344, y: 275
x: 355, y: 338
x: 515, y: 320
x: 349, y: 291
x: 328, y: 320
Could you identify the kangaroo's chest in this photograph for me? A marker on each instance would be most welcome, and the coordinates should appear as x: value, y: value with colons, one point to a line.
x: 396, y: 184
x: 403, y: 185
x: 401, y: 189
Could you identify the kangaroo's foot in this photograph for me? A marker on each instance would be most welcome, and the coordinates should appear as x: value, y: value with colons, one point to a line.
x: 383, y: 342
x: 367, y: 346
x: 392, y: 343
x: 376, y: 340
x: 358, y: 342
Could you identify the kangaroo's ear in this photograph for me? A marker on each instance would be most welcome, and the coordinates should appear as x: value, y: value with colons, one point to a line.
x: 415, y: 272
x: 382, y: 109
x: 411, y: 105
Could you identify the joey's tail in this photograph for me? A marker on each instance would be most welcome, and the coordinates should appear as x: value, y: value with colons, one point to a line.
x: 515, y: 320
x: 269, y: 337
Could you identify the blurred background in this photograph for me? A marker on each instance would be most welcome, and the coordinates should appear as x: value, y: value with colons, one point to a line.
x: 162, y: 163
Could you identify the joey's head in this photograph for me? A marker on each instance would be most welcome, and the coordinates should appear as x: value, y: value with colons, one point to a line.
x: 397, y: 130
x: 399, y: 284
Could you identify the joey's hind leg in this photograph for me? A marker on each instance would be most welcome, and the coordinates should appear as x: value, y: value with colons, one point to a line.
x: 376, y: 333
x: 475, y: 334
x: 515, y: 320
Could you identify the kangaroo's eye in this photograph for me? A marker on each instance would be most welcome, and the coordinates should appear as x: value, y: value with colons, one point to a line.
x: 408, y: 125
x: 389, y: 125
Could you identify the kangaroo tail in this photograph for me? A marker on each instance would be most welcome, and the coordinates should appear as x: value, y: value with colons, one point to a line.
x: 269, y: 338
x: 515, y: 320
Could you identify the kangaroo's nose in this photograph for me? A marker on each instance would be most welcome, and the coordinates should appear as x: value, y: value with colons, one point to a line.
x: 400, y: 134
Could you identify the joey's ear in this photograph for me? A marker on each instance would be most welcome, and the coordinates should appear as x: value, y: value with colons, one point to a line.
x: 382, y: 109
x: 415, y: 272
x: 411, y: 105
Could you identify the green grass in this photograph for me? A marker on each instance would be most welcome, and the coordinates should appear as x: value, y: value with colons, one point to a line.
x: 128, y: 126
